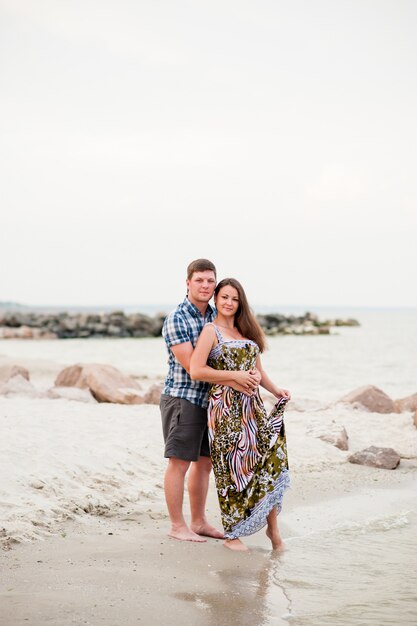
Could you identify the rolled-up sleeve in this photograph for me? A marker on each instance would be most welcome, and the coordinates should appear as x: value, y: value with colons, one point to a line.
x: 175, y: 330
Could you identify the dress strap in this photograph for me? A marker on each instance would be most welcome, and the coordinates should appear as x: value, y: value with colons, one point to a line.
x: 217, y: 331
x: 218, y: 334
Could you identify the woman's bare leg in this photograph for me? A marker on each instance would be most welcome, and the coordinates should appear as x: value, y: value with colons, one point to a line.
x: 236, y: 545
x: 272, y: 532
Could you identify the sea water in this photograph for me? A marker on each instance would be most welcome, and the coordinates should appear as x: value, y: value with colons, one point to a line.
x: 355, y: 574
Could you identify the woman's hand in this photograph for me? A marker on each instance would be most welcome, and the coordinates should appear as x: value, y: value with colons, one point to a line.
x: 244, y: 390
x: 257, y: 374
x: 248, y: 380
x: 283, y: 393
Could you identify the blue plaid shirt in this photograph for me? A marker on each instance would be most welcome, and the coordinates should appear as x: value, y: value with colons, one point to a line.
x: 184, y: 324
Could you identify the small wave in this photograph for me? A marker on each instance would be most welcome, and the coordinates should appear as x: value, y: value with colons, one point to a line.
x: 378, y: 524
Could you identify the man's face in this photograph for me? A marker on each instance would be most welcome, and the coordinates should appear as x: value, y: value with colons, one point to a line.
x: 201, y: 286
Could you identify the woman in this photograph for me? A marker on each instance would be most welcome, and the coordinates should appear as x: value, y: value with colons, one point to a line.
x: 248, y: 447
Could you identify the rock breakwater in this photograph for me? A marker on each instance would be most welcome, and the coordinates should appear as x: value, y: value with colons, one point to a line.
x: 32, y: 325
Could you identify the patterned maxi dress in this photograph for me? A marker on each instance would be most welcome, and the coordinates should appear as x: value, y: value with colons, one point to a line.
x: 248, y: 447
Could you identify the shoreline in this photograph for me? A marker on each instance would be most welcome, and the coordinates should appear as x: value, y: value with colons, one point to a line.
x: 124, y: 569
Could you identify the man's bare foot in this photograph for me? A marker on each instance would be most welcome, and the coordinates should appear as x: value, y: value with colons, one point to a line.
x: 185, y: 534
x: 275, y: 538
x: 206, y: 530
x: 235, y: 545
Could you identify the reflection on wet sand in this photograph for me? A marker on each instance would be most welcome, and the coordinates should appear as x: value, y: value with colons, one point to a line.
x: 247, y: 594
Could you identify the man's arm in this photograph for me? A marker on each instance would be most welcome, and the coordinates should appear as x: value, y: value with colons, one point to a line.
x: 183, y: 353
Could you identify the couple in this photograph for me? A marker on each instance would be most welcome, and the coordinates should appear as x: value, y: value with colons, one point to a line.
x: 245, y: 446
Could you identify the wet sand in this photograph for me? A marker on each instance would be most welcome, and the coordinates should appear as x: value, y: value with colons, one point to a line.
x: 126, y: 570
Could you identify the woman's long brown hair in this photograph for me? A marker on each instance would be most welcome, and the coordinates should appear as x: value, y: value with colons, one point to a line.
x: 245, y: 320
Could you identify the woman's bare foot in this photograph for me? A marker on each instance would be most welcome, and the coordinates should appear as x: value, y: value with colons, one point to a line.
x: 183, y: 533
x: 275, y: 538
x: 236, y: 545
x: 206, y: 530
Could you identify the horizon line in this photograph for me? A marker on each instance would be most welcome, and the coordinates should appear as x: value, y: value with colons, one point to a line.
x: 163, y: 306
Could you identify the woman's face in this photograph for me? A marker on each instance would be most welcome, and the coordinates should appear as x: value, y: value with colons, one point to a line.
x: 227, y: 301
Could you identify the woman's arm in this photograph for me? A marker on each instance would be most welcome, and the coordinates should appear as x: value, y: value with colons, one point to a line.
x: 267, y: 383
x: 199, y: 370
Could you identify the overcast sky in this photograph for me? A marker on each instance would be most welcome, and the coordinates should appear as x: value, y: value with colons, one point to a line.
x: 277, y: 138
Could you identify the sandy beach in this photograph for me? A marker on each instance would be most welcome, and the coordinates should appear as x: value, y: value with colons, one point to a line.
x: 84, y: 523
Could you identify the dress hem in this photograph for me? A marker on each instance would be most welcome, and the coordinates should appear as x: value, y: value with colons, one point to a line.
x: 257, y: 519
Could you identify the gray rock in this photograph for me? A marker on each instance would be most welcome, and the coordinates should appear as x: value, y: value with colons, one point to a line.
x: 98, y: 328
x: 114, y: 331
x: 71, y: 325
x: 385, y: 458
x: 346, y: 322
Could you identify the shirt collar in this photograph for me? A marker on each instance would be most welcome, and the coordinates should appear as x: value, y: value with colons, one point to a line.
x: 196, y: 312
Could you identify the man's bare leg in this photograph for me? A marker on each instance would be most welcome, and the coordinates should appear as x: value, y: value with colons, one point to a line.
x: 198, y: 483
x: 174, y: 496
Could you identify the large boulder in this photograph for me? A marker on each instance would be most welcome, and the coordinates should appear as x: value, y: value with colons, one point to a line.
x: 8, y: 371
x: 106, y: 383
x: 371, y: 398
x: 386, y: 458
x: 153, y: 395
x: 408, y: 403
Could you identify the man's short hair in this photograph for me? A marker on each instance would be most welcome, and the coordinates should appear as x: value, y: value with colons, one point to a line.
x: 200, y: 265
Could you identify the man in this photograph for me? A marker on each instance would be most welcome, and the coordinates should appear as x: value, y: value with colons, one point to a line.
x: 184, y: 408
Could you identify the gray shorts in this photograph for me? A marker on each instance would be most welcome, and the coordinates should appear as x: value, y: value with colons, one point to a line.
x: 184, y: 425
